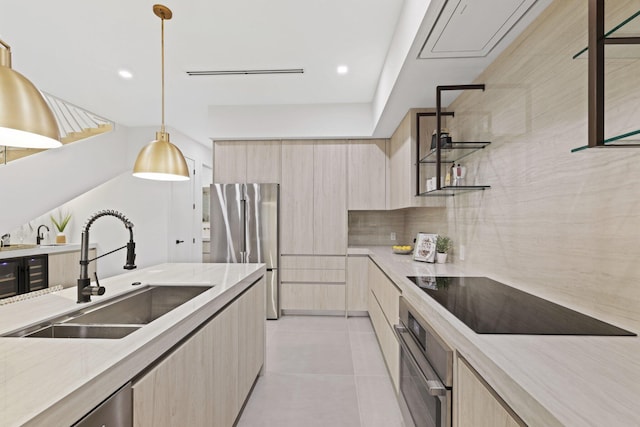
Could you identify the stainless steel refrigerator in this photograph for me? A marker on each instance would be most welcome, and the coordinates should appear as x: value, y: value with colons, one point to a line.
x: 244, y: 229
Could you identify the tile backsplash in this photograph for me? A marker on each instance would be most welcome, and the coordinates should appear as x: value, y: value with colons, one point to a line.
x: 375, y: 227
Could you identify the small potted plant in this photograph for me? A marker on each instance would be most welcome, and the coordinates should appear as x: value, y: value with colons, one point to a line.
x: 443, y: 244
x: 60, y: 224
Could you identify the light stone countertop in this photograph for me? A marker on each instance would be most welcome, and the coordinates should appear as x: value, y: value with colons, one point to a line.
x: 43, y: 249
x: 547, y: 380
x: 47, y: 382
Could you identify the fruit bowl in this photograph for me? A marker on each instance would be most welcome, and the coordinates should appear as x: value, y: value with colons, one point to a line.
x: 402, y: 250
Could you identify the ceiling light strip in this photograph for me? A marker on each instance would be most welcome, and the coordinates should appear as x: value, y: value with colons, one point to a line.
x: 246, y: 72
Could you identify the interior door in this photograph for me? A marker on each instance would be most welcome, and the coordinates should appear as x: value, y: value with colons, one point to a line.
x: 183, y: 219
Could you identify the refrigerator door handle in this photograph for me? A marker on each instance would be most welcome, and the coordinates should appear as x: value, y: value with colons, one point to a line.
x: 243, y: 221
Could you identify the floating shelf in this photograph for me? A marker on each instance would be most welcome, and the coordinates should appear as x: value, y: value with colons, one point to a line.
x: 452, y: 190
x: 451, y: 153
x: 445, y: 153
x: 617, y: 141
x: 618, y: 40
x: 626, y: 33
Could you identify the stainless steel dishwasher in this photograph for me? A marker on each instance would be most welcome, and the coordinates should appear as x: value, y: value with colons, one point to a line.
x: 116, y: 411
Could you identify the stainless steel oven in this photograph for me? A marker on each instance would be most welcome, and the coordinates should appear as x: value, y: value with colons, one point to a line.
x: 426, y: 372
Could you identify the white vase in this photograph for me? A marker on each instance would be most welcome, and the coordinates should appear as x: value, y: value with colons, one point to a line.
x: 441, y: 258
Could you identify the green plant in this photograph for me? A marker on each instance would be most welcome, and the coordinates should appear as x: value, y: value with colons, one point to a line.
x: 443, y: 244
x: 442, y: 282
x: 61, y: 222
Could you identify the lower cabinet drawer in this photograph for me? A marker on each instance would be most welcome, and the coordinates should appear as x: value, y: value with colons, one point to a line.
x: 306, y: 296
x: 309, y: 262
x: 314, y: 276
x: 386, y: 339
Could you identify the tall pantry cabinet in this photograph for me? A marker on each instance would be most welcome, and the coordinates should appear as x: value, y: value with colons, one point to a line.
x: 314, y: 225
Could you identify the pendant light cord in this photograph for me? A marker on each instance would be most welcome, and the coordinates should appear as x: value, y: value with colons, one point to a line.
x: 162, y: 56
x: 5, y: 55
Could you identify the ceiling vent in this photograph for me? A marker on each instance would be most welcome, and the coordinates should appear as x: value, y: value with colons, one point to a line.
x: 472, y: 28
x: 246, y: 72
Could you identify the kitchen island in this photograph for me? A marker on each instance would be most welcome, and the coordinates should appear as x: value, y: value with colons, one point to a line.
x: 546, y: 380
x: 57, y: 381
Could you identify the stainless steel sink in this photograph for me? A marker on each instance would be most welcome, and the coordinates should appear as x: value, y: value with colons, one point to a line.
x: 141, y: 307
x: 83, y: 331
x: 115, y: 318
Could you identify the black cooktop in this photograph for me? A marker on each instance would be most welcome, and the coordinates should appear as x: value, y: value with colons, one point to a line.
x: 490, y: 307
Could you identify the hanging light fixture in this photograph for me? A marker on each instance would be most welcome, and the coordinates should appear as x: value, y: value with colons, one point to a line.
x: 25, y: 117
x: 160, y: 159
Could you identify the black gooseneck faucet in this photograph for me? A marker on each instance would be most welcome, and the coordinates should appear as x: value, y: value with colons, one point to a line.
x: 39, y: 236
x: 85, y: 290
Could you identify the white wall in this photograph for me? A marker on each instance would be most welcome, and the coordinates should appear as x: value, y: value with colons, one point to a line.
x: 291, y: 121
x: 146, y: 203
x: 34, y: 185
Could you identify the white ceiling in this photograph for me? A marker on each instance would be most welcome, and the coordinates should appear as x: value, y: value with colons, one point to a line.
x: 74, y: 48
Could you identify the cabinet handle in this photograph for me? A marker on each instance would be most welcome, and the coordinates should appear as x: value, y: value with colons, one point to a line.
x: 179, y: 241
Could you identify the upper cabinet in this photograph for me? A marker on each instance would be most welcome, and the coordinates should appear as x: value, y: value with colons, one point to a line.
x: 296, y: 198
x: 247, y: 161
x: 229, y: 162
x: 330, y: 198
x: 402, y: 163
x: 314, y: 197
x: 263, y: 161
x: 368, y: 174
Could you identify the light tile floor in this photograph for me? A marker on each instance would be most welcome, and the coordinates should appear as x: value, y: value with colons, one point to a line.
x: 322, y: 371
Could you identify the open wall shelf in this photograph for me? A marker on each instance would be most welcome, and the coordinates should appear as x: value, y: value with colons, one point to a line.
x: 445, y: 152
x: 453, y: 152
x: 453, y: 190
x: 627, y: 33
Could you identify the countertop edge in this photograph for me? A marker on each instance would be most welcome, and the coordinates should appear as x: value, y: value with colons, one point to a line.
x: 465, y: 341
x: 43, y: 250
x: 125, y: 365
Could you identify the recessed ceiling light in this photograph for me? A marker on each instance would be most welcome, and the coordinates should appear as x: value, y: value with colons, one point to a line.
x: 342, y: 69
x: 125, y: 74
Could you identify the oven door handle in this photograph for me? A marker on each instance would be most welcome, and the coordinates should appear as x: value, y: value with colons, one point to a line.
x: 435, y: 386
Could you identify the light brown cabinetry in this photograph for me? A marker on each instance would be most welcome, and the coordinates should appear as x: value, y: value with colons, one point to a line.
x: 313, y: 283
x: 314, y: 225
x: 357, y: 283
x: 64, y: 268
x: 263, y: 162
x: 229, y: 162
x: 251, y: 338
x: 313, y: 198
x: 330, y: 198
x: 246, y: 161
x: 400, y: 165
x: 296, y: 198
x: 478, y: 405
x: 403, y: 164
x: 368, y: 174
x: 206, y: 380
x: 383, y: 305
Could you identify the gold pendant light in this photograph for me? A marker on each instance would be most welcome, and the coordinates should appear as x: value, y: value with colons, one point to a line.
x: 25, y: 117
x: 161, y: 160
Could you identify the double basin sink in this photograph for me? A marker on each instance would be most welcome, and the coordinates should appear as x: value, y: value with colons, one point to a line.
x: 115, y: 318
